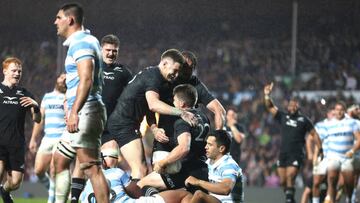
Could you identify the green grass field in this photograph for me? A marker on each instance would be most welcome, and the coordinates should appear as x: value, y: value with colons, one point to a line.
x: 30, y: 200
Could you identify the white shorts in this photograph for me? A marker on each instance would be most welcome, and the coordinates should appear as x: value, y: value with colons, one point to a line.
x: 48, y: 145
x: 171, y: 168
x: 151, y: 199
x: 92, y: 120
x: 321, y: 167
x: 342, y: 164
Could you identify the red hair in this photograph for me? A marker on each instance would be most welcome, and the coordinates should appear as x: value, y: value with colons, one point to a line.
x: 10, y: 60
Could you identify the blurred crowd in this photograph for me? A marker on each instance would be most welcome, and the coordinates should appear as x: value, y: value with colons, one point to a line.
x: 230, y: 67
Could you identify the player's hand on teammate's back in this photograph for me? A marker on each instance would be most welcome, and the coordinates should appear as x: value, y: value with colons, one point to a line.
x: 72, y: 123
x: 189, y: 118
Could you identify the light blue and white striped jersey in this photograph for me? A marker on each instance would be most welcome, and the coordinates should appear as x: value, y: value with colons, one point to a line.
x: 341, y: 136
x: 227, y: 168
x: 115, y: 178
x: 82, y: 45
x: 321, y: 129
x: 54, y: 122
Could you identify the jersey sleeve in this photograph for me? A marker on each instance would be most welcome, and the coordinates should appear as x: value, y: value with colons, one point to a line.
x: 230, y: 171
x: 129, y: 74
x: 153, y: 80
x: 204, y: 95
x: 82, y: 50
x: 279, y: 115
x: 180, y: 126
x: 309, y: 125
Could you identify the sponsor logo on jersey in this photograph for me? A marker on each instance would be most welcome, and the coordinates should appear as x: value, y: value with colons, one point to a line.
x: 19, y: 92
x: 10, y: 100
x: 292, y: 123
x: 118, y: 69
x: 56, y: 106
x: 109, y: 75
x: 301, y: 119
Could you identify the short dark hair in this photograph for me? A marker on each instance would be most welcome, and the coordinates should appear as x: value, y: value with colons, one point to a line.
x: 110, y: 39
x: 74, y: 9
x: 222, y: 138
x: 190, y: 56
x: 341, y: 103
x: 175, y: 55
x: 186, y: 93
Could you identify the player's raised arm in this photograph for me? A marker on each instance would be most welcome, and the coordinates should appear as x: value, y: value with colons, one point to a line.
x: 268, y: 101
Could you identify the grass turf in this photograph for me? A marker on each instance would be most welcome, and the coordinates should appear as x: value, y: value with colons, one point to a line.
x: 30, y: 200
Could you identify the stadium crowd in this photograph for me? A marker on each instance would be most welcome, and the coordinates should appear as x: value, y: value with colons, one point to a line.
x: 229, y: 67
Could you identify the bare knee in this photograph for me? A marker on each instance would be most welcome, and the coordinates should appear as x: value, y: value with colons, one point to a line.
x: 198, y: 195
x: 14, y: 183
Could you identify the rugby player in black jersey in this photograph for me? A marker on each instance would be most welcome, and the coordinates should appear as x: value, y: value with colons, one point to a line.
x: 116, y: 77
x: 163, y: 131
x: 189, y: 149
x: 294, y: 127
x: 15, y: 102
x: 140, y: 97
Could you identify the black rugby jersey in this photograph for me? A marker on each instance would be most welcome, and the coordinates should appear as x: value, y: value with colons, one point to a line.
x: 116, y: 77
x: 167, y: 121
x: 12, y: 116
x: 197, y: 154
x: 132, y: 105
x: 293, y: 131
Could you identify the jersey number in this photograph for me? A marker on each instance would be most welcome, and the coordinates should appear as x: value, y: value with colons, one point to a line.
x: 204, y: 129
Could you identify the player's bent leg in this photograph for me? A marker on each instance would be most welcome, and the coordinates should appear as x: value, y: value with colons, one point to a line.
x: 14, y: 180
x: 42, y: 164
x: 291, y: 172
x: 89, y: 162
x: 282, y: 175
x: 348, y: 176
x: 133, y: 153
x: 77, y: 182
x: 332, y: 182
x: 110, y: 153
x: 201, y: 197
x: 62, y: 159
x: 317, y: 180
x: 175, y: 196
x: 153, y: 179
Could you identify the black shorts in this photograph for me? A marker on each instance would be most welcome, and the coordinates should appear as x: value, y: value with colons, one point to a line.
x: 106, y: 137
x: 177, y: 180
x: 127, y: 135
x: 14, y: 158
x: 290, y: 159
